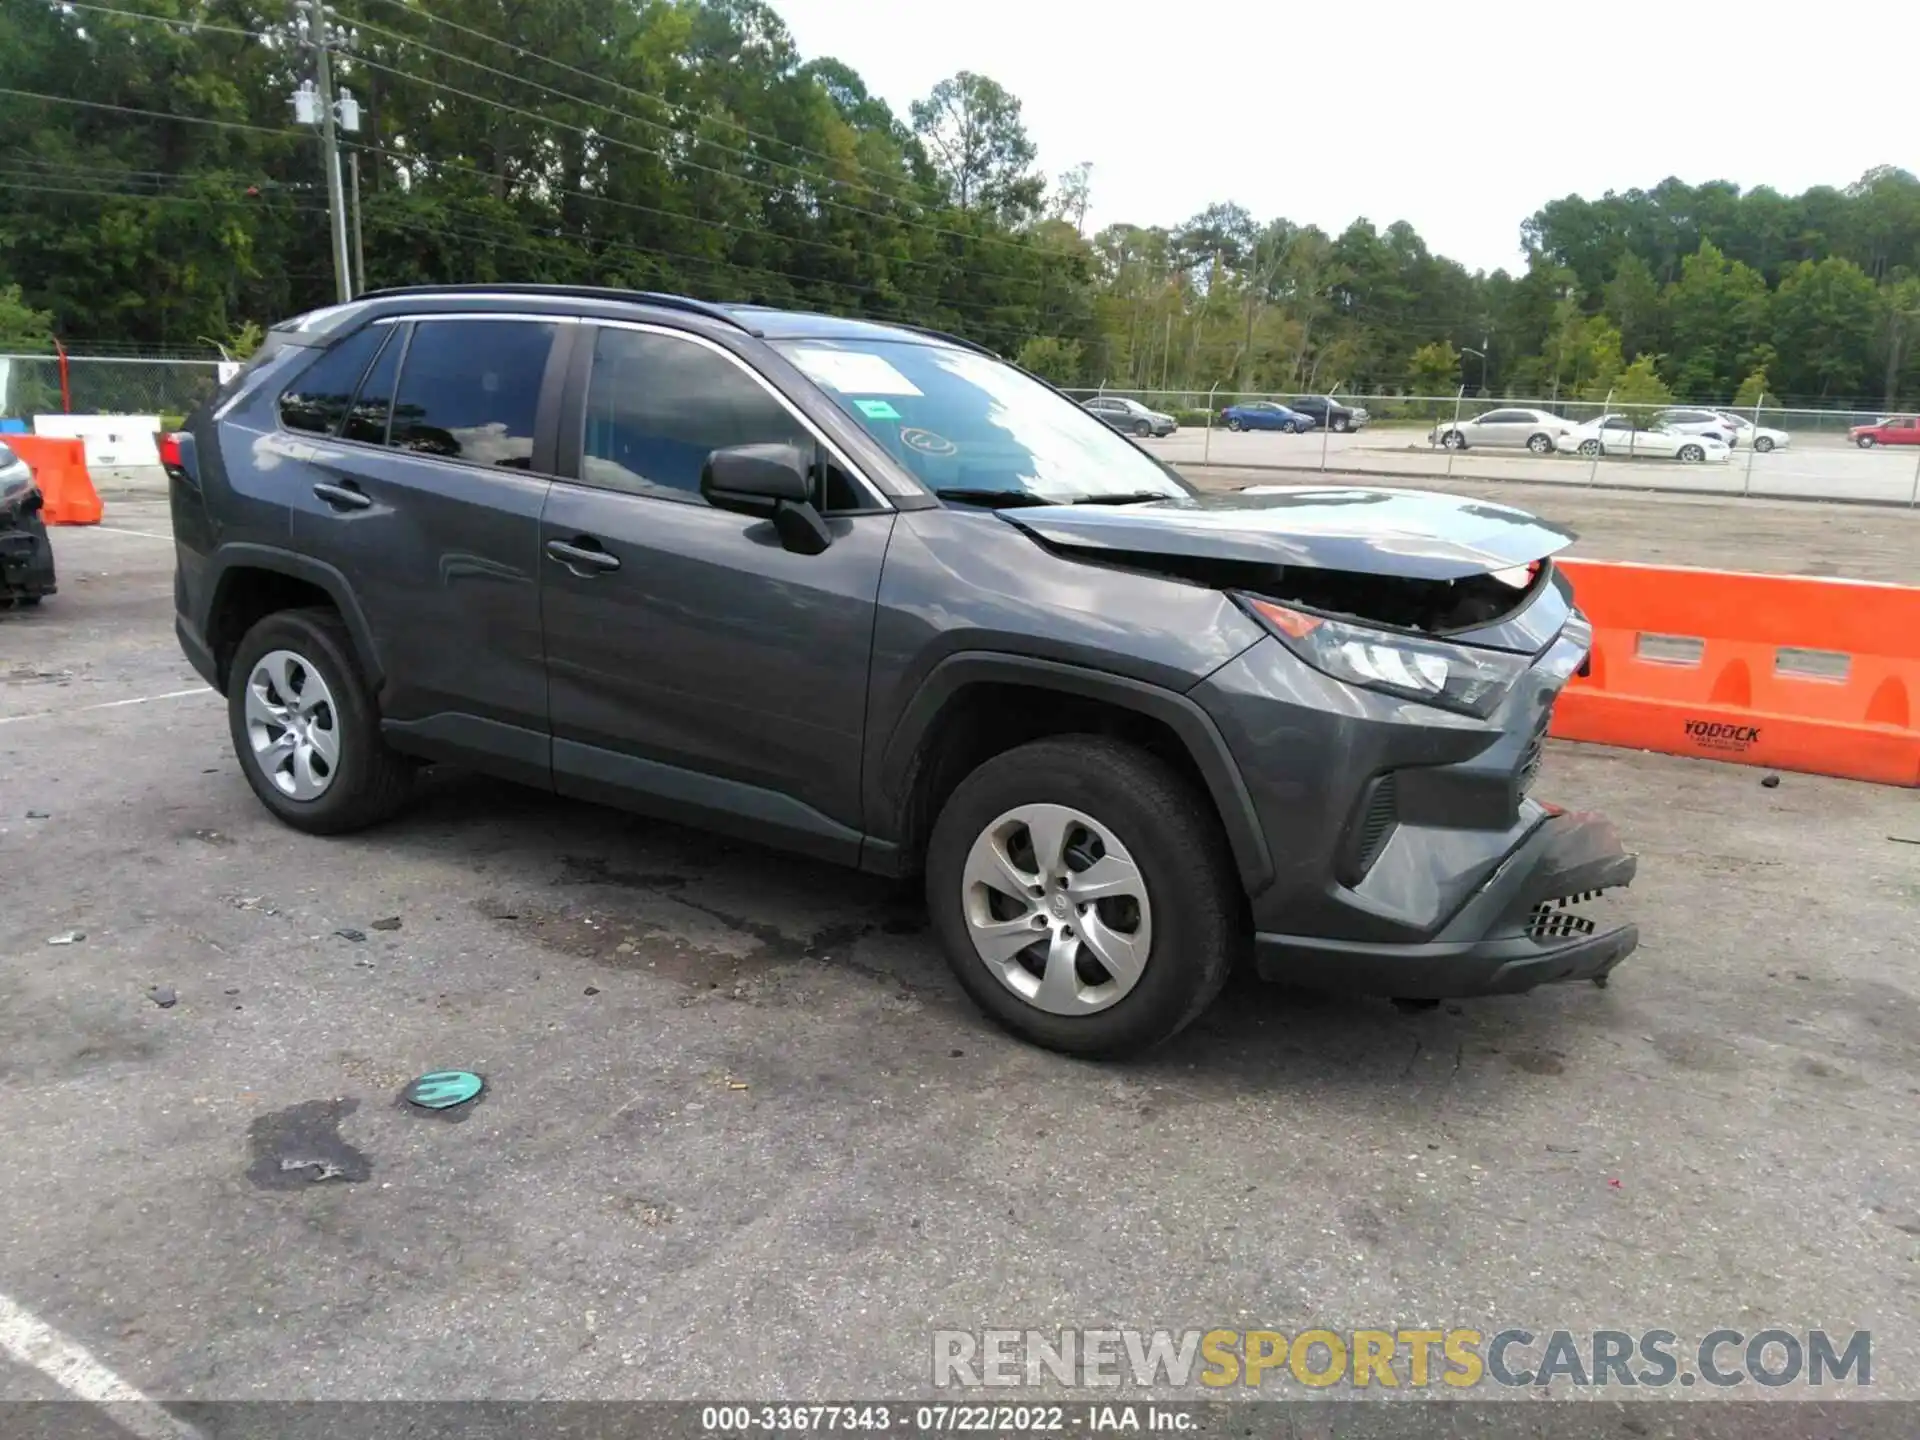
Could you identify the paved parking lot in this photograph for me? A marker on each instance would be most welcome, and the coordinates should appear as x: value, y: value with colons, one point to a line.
x: 743, y: 1137
x: 1815, y: 466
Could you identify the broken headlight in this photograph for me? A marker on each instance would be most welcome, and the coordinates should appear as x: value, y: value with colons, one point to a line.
x: 1474, y: 682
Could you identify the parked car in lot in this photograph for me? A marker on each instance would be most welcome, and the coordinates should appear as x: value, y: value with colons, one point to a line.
x: 26, y: 558
x: 873, y: 595
x: 1130, y: 417
x: 1327, y: 411
x: 1761, y: 437
x: 1697, y: 422
x: 1619, y: 435
x: 1894, y: 430
x: 1535, y: 430
x: 1265, y: 415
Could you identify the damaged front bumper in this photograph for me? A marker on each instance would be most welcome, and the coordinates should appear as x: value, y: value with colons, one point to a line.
x: 26, y: 555
x: 1523, y: 927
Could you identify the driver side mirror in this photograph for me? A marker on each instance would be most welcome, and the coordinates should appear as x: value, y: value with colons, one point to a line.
x: 772, y: 482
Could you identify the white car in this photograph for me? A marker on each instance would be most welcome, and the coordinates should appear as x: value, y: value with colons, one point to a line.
x: 1618, y: 435
x: 1696, y: 422
x: 1762, y: 437
x: 1535, y: 430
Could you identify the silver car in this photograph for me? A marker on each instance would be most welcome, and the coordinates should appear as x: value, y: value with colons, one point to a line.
x: 1535, y: 430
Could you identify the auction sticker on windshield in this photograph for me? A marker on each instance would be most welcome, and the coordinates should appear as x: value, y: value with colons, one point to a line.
x: 877, y: 410
x: 853, y: 372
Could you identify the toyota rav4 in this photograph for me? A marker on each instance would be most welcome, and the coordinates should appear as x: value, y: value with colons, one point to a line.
x: 870, y: 593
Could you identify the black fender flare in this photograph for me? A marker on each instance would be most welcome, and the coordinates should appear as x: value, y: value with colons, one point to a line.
x: 1191, y: 724
x: 247, y: 555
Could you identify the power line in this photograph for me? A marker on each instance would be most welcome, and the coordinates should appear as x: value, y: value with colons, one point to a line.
x: 149, y: 114
x: 172, y: 22
x: 624, y: 89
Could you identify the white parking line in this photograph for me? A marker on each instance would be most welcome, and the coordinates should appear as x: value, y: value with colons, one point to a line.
x: 108, y: 704
x: 143, y: 534
x: 33, y: 1342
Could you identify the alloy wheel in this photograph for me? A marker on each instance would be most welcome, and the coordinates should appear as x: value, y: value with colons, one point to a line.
x: 293, y: 725
x: 1057, y: 909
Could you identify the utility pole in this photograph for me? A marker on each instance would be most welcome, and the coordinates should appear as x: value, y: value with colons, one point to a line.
x: 319, y: 29
x: 359, y: 242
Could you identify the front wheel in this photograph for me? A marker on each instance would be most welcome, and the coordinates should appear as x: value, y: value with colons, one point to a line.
x: 1540, y: 444
x: 1692, y: 454
x: 305, y: 727
x: 1763, y: 445
x: 1866, y: 442
x: 1084, y: 895
x: 1142, y: 429
x: 1454, y: 440
x: 1339, y: 427
x: 1290, y: 427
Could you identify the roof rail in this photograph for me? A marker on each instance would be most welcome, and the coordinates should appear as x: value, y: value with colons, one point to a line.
x: 582, y: 292
x: 933, y: 334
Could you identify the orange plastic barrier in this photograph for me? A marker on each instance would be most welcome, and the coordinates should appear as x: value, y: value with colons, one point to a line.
x: 60, y: 470
x: 1786, y: 671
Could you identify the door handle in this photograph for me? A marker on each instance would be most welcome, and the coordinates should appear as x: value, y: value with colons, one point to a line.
x: 343, y: 497
x: 585, y: 560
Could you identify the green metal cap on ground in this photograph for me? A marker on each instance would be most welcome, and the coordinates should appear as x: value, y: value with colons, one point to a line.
x: 443, y: 1089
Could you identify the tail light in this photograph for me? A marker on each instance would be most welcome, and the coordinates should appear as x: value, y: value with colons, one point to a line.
x: 170, y: 451
x: 177, y: 456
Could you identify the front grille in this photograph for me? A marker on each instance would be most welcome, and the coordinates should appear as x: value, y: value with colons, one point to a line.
x: 1554, y: 920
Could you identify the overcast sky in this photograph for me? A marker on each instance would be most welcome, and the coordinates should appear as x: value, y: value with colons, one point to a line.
x: 1461, y: 119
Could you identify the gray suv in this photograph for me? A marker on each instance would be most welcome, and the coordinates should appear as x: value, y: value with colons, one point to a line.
x: 871, y: 594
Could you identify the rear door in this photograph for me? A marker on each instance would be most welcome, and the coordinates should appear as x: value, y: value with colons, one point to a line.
x: 698, y: 669
x: 425, y: 495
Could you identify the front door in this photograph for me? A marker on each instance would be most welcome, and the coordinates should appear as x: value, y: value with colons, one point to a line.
x: 426, y: 497
x: 697, y: 669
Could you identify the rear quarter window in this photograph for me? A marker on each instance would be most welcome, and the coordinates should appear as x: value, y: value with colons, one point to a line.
x: 317, y: 400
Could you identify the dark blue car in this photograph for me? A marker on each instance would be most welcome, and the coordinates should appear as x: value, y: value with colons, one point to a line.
x: 1265, y: 415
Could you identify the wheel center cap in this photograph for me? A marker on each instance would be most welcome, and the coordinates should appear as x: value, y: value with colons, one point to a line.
x: 1060, y: 905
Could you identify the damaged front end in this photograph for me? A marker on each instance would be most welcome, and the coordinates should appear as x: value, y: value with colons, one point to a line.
x: 1390, y: 729
x: 26, y: 555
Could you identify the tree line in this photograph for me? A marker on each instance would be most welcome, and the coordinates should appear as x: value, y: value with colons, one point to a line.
x: 157, y: 195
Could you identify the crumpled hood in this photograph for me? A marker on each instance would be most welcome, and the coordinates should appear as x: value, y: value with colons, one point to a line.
x: 1414, y: 534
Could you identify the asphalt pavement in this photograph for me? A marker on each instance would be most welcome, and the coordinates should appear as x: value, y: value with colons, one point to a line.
x: 743, y: 1137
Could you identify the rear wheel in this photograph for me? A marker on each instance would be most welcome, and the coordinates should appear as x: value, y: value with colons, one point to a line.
x: 1084, y: 895
x: 1692, y: 454
x: 1540, y: 444
x: 305, y: 727
x: 1590, y: 448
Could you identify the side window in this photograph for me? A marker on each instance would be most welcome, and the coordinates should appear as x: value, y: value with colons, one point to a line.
x: 367, y: 419
x: 469, y: 390
x: 658, y: 405
x: 317, y: 400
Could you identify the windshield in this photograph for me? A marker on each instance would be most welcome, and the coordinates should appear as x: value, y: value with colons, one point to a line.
x: 963, y: 422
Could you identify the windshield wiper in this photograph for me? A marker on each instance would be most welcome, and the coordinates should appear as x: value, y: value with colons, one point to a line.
x: 1128, y: 497
x: 997, y: 499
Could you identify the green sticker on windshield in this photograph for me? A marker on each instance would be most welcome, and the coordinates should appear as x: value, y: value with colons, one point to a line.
x: 877, y: 410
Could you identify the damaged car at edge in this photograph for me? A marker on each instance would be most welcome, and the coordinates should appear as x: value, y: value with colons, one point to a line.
x: 874, y: 595
x: 26, y: 557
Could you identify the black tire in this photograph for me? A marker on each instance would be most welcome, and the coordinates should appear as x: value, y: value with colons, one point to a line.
x: 1589, y: 448
x: 1339, y: 426
x: 1233, y: 422
x: 1453, y: 440
x: 1540, y: 444
x: 371, y: 782
x: 1691, y: 454
x: 1290, y: 427
x: 1763, y: 445
x: 1142, y: 428
x: 1175, y: 838
x: 1866, y: 442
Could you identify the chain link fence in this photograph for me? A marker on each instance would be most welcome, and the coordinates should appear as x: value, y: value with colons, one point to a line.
x: 1771, y: 450
x: 31, y: 385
